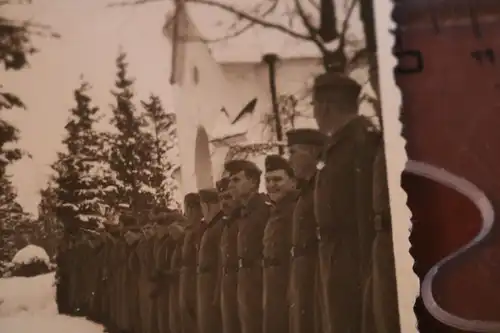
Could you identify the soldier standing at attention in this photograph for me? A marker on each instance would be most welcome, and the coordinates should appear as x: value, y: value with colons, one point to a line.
x: 305, y: 147
x: 343, y: 205
x: 145, y: 284
x: 281, y: 188
x: 174, y: 276
x: 160, y: 293
x: 209, y: 314
x: 133, y: 266
x: 187, y: 282
x: 244, y: 184
x: 229, y: 262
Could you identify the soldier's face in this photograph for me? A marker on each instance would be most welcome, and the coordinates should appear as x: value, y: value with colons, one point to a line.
x: 303, y: 160
x: 330, y: 112
x: 278, y: 184
x: 240, y: 185
x: 227, y: 202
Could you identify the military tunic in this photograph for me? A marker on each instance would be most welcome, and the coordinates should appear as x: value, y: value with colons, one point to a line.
x: 72, y: 278
x: 62, y: 291
x: 343, y: 213
x: 208, y: 274
x: 251, y: 224
x: 162, y: 256
x: 276, y: 263
x: 114, y: 285
x: 105, y: 282
x: 93, y: 276
x: 303, y: 269
x: 146, y: 286
x: 229, y: 280
x: 124, y: 323
x: 187, y: 282
x: 384, y: 288
x: 133, y: 299
x: 173, y: 296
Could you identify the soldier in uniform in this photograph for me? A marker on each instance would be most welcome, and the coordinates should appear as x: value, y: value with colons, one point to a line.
x: 384, y: 287
x: 343, y: 206
x: 114, y: 280
x: 174, y: 276
x: 132, y: 238
x: 187, y: 282
x: 228, y: 280
x: 162, y: 256
x: 145, y: 285
x: 93, y: 275
x: 208, y: 309
x: 281, y: 188
x: 305, y: 146
x: 244, y: 184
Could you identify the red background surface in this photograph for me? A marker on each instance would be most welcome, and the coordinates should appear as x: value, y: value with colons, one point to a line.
x: 452, y: 120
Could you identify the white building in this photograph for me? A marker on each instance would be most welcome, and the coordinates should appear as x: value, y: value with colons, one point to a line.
x: 208, y: 80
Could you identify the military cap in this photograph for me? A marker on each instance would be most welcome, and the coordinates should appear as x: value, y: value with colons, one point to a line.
x: 236, y: 166
x: 329, y: 83
x: 276, y: 162
x: 168, y: 218
x: 192, y: 199
x: 306, y: 136
x: 208, y: 195
x: 222, y: 184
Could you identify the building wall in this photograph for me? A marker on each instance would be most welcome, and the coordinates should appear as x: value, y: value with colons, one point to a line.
x: 206, y: 86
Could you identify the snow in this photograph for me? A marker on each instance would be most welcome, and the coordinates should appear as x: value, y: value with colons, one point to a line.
x: 28, y: 305
x: 29, y: 254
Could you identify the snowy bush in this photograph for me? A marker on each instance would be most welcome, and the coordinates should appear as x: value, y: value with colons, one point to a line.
x: 30, y: 261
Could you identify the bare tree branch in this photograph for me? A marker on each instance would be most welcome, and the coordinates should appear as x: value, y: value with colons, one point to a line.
x: 233, y: 30
x: 313, y: 31
x: 345, y: 24
x: 253, y: 18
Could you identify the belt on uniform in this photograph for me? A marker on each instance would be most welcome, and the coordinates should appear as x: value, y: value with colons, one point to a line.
x: 230, y: 268
x: 309, y: 248
x: 244, y: 263
x: 383, y: 222
x: 203, y: 269
x: 271, y: 262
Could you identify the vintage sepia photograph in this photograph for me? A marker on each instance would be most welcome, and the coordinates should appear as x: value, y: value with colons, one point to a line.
x: 202, y: 166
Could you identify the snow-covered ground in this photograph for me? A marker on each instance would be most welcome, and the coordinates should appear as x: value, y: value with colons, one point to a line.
x: 27, y: 305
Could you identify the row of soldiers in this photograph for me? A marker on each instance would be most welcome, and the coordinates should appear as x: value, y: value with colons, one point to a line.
x: 313, y: 254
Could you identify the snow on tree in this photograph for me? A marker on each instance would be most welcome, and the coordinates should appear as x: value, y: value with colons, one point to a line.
x: 162, y: 125
x: 30, y: 261
x: 132, y: 148
x: 12, y: 216
x: 30, y: 253
x: 85, y: 184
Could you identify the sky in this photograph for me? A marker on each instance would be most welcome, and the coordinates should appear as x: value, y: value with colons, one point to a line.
x: 91, y: 36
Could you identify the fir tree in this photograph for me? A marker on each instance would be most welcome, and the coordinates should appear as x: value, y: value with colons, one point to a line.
x: 164, y: 133
x: 50, y: 226
x: 84, y: 183
x: 12, y: 216
x: 131, y: 147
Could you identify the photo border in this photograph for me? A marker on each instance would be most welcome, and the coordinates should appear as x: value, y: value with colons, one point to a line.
x: 408, y: 285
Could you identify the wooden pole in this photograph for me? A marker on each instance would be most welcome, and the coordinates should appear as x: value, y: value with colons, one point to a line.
x: 271, y: 60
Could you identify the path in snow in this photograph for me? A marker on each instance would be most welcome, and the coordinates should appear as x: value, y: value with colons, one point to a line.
x: 27, y: 305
